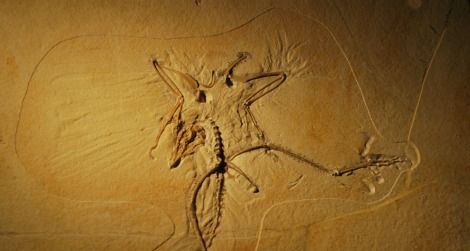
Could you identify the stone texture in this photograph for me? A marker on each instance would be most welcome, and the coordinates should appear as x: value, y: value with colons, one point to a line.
x: 82, y: 104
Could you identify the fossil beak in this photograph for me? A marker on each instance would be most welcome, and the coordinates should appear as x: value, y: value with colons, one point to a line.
x: 175, y: 162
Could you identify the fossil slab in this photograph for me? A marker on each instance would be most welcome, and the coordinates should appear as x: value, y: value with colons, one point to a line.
x: 274, y: 130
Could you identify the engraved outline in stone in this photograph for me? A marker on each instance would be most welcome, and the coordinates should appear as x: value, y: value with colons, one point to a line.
x: 216, y: 34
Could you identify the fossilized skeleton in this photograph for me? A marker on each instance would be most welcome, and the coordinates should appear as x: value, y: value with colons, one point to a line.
x: 216, y: 117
